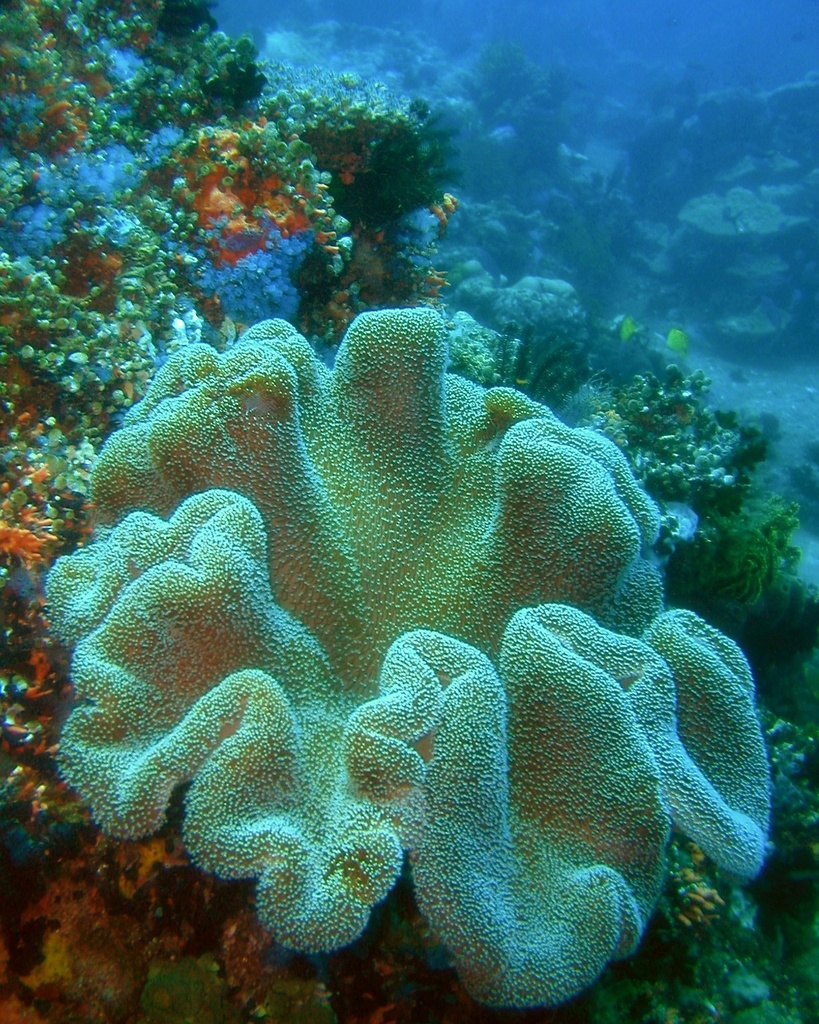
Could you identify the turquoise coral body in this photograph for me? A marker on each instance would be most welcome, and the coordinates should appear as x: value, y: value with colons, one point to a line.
x: 380, y: 609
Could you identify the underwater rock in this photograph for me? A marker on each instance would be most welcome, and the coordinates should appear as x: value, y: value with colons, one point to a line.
x: 739, y: 212
x: 543, y: 303
x: 541, y: 306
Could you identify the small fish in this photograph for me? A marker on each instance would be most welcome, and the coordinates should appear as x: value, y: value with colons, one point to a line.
x: 628, y: 328
x: 677, y: 341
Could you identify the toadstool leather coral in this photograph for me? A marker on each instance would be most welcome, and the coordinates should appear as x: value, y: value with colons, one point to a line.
x: 380, y: 609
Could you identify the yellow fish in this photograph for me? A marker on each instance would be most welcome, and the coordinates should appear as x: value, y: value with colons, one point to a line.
x: 628, y: 328
x: 677, y: 341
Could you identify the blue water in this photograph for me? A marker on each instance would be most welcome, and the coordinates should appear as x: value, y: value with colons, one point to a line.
x: 725, y: 42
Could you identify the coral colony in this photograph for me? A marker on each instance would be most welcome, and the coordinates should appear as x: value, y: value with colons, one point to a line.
x: 354, y: 608
x: 340, y: 679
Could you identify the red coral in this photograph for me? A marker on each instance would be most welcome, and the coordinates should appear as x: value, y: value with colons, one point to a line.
x: 243, y: 198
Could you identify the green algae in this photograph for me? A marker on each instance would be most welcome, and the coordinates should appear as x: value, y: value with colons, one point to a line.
x: 187, y: 991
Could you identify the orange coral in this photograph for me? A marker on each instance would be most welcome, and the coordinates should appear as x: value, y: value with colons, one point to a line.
x: 23, y: 545
x: 142, y: 861
x: 12, y: 1011
x: 65, y: 124
x: 243, y: 200
x: 443, y: 211
x: 700, y: 902
x: 42, y: 675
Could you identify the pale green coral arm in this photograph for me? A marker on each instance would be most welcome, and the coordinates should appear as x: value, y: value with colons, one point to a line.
x: 722, y: 797
x: 537, y: 871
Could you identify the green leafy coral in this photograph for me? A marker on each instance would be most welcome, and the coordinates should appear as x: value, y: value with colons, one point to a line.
x: 699, y: 464
x: 378, y: 640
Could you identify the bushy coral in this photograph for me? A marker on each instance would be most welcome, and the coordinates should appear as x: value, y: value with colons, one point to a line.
x: 387, y: 160
x: 680, y: 449
x: 378, y: 640
x: 736, y: 559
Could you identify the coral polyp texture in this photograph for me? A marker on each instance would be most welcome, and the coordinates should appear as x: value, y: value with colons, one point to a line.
x: 380, y: 609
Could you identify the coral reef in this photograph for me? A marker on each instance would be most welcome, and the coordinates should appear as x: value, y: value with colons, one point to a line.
x: 145, y: 200
x: 541, y: 341
x: 365, y: 646
x: 729, y: 228
x: 522, y: 109
x: 160, y: 186
x: 728, y: 548
x: 739, y: 212
x: 386, y: 162
x: 150, y: 174
x: 679, y: 448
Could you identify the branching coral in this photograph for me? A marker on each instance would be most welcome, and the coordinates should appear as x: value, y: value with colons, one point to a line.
x: 353, y: 609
